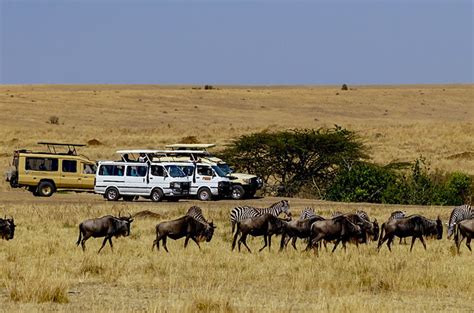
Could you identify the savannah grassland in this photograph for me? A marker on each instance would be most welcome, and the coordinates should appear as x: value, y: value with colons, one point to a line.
x: 43, y: 270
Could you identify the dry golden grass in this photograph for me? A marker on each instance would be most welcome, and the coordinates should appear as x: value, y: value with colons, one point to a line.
x: 43, y: 270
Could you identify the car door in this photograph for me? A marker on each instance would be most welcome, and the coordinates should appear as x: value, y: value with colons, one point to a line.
x: 204, y: 175
x: 87, y: 175
x: 70, y: 177
x: 136, y: 180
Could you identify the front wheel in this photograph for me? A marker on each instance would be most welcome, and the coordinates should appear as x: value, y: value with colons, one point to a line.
x: 238, y: 192
x: 112, y: 194
x: 156, y: 195
x: 45, y: 189
x: 204, y: 194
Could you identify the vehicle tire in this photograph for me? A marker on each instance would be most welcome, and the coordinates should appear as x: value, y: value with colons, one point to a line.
x: 45, y: 189
x: 112, y: 194
x: 128, y: 198
x: 14, y: 181
x: 238, y: 192
x: 156, y: 195
x: 204, y: 194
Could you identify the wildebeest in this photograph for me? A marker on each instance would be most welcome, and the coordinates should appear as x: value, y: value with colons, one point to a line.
x: 105, y: 226
x: 367, y: 227
x: 264, y: 225
x: 338, y: 228
x: 298, y: 229
x: 7, y: 228
x: 464, y: 228
x: 415, y: 226
x: 186, y: 226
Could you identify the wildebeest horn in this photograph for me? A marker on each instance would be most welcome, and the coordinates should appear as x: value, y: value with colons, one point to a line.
x: 120, y: 213
x: 129, y: 215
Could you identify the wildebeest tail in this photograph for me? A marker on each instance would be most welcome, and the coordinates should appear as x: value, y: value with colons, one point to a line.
x: 456, y: 234
x: 80, y: 235
x: 382, y: 228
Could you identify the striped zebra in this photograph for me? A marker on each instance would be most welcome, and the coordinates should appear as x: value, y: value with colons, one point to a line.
x: 459, y: 213
x: 196, y: 213
x: 238, y: 214
x: 307, y: 213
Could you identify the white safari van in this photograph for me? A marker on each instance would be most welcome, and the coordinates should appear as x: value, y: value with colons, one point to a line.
x: 128, y: 179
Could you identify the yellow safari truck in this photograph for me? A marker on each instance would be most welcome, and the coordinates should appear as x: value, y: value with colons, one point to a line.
x: 59, y: 168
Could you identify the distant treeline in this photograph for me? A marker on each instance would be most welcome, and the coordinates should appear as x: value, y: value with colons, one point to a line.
x: 334, y: 164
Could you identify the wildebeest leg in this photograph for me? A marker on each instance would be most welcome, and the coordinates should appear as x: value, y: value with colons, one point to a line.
x: 422, y: 241
x: 235, y: 240
x: 83, y: 243
x: 194, y: 239
x: 103, y: 243
x: 265, y: 243
x: 468, y: 243
x: 186, y: 241
x: 412, y: 242
x: 111, y: 245
x: 283, y: 242
x: 243, y: 239
x: 335, y: 245
x: 164, y: 244
x: 293, y: 242
x: 382, y: 240
x: 389, y: 243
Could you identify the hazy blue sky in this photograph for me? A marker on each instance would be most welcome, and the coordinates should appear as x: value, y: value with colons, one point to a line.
x: 236, y: 42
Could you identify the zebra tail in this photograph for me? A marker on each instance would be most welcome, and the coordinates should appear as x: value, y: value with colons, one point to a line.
x: 233, y: 226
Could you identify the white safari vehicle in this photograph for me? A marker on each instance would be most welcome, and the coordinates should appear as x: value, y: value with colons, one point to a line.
x: 133, y: 177
x: 243, y: 185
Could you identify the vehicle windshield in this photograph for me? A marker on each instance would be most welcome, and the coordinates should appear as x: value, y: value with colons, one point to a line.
x: 225, y: 168
x: 188, y: 170
x: 175, y: 171
x: 219, y: 171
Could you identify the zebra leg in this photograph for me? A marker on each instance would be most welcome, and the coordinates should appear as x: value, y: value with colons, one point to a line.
x: 265, y: 243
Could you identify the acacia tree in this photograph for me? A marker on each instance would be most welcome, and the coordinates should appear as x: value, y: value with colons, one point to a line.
x: 291, y: 160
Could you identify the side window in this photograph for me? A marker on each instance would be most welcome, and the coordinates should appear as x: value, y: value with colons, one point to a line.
x: 204, y: 170
x: 111, y: 170
x: 89, y: 169
x: 188, y: 170
x: 41, y: 164
x: 69, y: 166
x: 157, y: 170
x: 136, y: 171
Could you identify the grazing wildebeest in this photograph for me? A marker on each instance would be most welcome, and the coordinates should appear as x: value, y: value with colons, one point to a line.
x: 298, y: 229
x: 464, y: 228
x: 106, y: 226
x: 415, y: 226
x: 186, y: 226
x: 7, y: 228
x: 338, y: 228
x: 264, y: 225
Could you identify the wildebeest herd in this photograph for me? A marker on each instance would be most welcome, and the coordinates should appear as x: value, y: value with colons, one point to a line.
x: 340, y: 228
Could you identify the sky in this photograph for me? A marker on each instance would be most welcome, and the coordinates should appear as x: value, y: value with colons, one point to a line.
x: 236, y: 42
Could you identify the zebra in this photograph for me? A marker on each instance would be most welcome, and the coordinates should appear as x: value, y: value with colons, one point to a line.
x: 363, y: 215
x: 459, y: 213
x: 307, y: 212
x: 336, y: 213
x: 238, y: 214
x: 196, y: 213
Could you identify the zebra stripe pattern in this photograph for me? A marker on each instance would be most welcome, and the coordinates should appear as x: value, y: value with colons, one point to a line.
x: 196, y: 213
x: 307, y: 213
x: 241, y: 213
x: 363, y: 215
x: 460, y: 213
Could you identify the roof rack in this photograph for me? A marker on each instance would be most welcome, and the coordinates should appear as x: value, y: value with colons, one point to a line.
x: 190, y: 146
x: 52, y: 146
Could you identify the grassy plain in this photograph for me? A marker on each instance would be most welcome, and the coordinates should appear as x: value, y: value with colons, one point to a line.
x: 43, y: 270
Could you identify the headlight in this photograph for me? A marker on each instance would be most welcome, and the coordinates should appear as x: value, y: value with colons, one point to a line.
x: 174, y: 185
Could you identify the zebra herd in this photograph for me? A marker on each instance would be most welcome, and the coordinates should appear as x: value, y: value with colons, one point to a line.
x: 398, y: 224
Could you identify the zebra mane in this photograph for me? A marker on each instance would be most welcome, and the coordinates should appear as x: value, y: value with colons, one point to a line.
x: 196, y: 213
